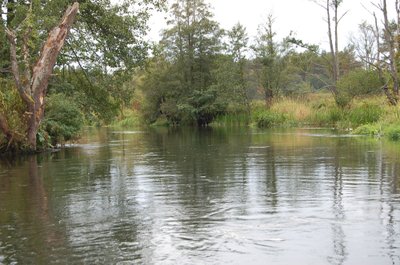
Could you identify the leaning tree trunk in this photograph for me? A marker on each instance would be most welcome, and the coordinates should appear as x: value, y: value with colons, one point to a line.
x: 33, y: 93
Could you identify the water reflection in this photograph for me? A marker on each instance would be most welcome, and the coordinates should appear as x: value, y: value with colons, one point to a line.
x: 339, y: 237
x: 217, y: 196
x: 27, y: 218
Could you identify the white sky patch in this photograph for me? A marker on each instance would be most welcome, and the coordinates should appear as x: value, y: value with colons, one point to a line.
x: 303, y: 17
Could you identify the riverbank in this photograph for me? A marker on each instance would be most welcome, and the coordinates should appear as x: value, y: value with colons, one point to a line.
x: 364, y: 116
x: 371, y: 116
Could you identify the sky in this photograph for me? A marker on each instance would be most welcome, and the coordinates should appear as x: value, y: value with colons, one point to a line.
x: 303, y: 17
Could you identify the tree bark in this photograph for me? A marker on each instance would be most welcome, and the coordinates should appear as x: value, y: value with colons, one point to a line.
x: 15, y: 67
x: 34, y: 92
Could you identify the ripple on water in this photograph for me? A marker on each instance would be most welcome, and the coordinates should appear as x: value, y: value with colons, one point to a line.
x: 177, y: 198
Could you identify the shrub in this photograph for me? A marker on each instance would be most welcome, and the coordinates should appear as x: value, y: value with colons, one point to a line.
x: 63, y: 120
x: 343, y: 99
x: 359, y: 82
x: 368, y: 129
x: 13, y: 109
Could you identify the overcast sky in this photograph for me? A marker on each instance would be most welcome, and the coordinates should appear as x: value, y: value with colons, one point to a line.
x: 303, y: 17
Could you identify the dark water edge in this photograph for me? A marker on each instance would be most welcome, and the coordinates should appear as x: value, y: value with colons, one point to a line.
x: 207, y: 196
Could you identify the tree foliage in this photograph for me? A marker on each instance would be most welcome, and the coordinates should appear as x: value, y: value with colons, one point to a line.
x: 189, y: 46
x: 197, y: 71
x: 103, y: 48
x: 63, y: 121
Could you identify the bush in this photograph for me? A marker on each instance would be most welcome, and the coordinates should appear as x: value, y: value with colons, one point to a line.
x: 343, y: 99
x: 360, y: 82
x: 13, y: 109
x: 63, y: 120
x: 368, y: 129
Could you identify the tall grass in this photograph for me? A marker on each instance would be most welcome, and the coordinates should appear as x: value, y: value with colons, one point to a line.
x: 288, y: 112
x: 268, y: 119
x: 325, y: 116
x: 294, y: 110
x: 368, y: 116
x: 129, y: 119
x: 231, y: 119
x: 365, y: 114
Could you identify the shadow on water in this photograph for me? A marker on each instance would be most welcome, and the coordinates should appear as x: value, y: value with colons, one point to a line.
x: 25, y: 202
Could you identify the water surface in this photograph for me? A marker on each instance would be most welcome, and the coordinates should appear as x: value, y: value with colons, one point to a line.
x: 212, y: 196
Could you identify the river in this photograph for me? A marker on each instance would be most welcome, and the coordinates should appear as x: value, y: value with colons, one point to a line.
x: 209, y: 196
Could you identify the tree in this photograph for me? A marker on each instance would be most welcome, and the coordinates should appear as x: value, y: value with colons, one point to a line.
x: 364, y: 44
x: 237, y: 47
x: 191, y: 45
x: 391, y: 45
x: 358, y: 82
x: 98, y: 57
x: 32, y: 87
x: 108, y: 34
x: 332, y: 6
x: 386, y: 49
x: 270, y: 55
x: 237, y: 44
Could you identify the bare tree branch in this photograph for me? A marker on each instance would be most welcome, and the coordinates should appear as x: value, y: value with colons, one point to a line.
x: 342, y: 16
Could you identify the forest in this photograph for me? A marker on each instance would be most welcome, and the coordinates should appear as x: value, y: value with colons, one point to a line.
x: 65, y: 65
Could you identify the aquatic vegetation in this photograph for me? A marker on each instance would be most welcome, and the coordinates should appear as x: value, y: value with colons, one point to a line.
x: 393, y: 132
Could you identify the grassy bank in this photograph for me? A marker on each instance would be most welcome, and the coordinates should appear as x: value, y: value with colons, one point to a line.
x: 128, y: 119
x: 365, y: 116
